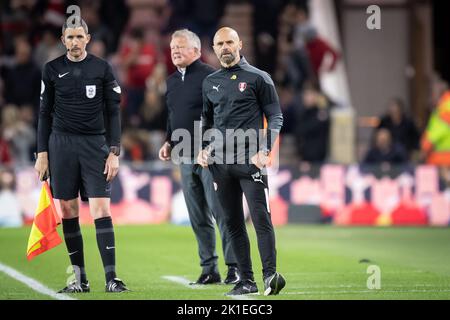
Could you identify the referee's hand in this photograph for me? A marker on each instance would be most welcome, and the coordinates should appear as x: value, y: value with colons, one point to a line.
x: 41, y: 166
x: 111, y: 167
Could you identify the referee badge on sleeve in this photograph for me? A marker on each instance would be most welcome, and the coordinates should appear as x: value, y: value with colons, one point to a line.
x: 90, y: 91
x: 117, y: 90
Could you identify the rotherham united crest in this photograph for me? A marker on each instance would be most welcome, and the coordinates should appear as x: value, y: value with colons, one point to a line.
x: 242, y: 86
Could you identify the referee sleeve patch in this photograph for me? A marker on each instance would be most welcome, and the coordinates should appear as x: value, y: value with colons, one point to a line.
x: 117, y: 89
x: 42, y: 87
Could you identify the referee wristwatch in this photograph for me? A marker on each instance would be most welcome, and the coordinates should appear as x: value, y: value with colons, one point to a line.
x: 115, y: 150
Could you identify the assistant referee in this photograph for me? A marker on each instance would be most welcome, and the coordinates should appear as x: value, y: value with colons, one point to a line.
x: 79, y: 107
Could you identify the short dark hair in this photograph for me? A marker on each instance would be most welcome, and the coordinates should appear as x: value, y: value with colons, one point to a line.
x: 77, y: 22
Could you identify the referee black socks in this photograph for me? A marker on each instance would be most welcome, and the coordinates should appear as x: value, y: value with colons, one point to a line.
x: 106, y: 246
x: 74, y: 244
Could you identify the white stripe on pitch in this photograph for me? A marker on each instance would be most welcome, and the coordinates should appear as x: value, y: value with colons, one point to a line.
x: 185, y: 282
x: 33, y: 284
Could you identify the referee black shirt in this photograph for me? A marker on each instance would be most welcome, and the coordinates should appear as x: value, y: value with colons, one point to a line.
x: 80, y: 98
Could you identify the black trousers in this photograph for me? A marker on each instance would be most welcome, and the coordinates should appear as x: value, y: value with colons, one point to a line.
x: 230, y: 182
x: 202, y: 205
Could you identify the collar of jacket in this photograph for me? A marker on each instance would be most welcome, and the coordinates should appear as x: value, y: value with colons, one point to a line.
x: 237, y: 66
x: 193, y: 65
x: 188, y: 68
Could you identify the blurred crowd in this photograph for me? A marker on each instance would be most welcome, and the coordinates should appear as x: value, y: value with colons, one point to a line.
x: 134, y: 36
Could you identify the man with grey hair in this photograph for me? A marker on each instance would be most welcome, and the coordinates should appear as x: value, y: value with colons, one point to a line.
x: 184, y: 101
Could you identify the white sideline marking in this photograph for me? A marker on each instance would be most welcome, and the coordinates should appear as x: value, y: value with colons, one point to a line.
x: 33, y: 284
x: 185, y: 282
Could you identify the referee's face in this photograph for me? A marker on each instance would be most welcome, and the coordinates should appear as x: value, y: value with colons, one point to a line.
x: 75, y: 40
x: 182, y: 53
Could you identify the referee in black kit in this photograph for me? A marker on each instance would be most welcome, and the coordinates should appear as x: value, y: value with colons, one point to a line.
x: 238, y: 96
x: 184, y: 102
x: 79, y: 98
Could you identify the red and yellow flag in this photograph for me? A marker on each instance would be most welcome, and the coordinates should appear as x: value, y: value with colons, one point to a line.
x: 43, y: 234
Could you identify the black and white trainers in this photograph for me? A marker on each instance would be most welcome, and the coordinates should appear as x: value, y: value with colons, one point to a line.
x: 207, y: 278
x: 76, y: 287
x: 232, y: 276
x: 116, y: 285
x: 244, y: 287
x: 273, y: 284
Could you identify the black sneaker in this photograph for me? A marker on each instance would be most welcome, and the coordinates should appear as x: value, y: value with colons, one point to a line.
x: 208, y: 278
x: 76, y: 287
x: 273, y: 284
x: 116, y: 285
x: 232, y: 276
x: 243, y: 287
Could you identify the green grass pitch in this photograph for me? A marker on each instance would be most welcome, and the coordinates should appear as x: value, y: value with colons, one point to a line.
x: 318, y: 262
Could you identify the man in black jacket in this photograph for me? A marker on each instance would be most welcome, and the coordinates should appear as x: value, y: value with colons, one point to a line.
x: 184, y: 102
x: 236, y: 99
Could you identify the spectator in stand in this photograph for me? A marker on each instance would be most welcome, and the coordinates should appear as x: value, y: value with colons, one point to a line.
x: 97, y: 30
x: 317, y: 50
x: 5, y: 153
x: 10, y: 210
x: 435, y: 142
x: 49, y: 47
x: 384, y: 150
x: 296, y: 66
x: 22, y: 81
x: 153, y: 111
x: 19, y: 132
x: 402, y: 128
x: 138, y: 60
x: 135, y: 145
x: 313, y: 123
x: 289, y: 103
x: 297, y: 70
x: 265, y: 33
x: 201, y: 16
x: 97, y: 48
x: 115, y: 22
x: 305, y: 35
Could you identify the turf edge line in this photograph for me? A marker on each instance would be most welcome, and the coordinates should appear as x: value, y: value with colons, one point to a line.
x: 185, y: 282
x: 32, y: 283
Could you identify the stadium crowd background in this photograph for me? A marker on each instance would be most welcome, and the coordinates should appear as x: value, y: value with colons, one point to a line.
x: 134, y: 36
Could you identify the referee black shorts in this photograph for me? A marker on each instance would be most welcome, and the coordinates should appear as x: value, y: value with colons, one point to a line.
x: 76, y: 166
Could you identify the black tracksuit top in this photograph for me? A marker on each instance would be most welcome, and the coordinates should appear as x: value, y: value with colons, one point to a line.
x: 184, y: 100
x: 238, y: 98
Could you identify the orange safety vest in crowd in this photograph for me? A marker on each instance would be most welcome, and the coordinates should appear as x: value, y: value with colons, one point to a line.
x: 436, y: 139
